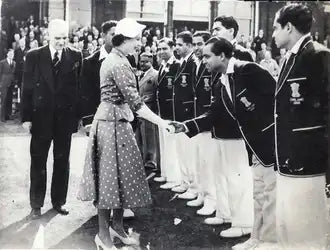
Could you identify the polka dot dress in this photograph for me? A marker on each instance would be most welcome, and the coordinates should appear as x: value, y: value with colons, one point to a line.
x: 113, y: 175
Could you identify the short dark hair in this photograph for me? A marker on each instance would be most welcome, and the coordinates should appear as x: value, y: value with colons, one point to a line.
x: 221, y: 45
x: 186, y: 36
x: 228, y: 22
x: 106, y: 26
x: 204, y: 34
x: 299, y: 15
x: 168, y: 41
x: 118, y: 39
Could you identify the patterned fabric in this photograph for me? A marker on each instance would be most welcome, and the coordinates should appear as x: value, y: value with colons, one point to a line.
x: 113, y: 175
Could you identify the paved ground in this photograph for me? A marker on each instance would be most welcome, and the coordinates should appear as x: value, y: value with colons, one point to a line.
x: 154, y: 226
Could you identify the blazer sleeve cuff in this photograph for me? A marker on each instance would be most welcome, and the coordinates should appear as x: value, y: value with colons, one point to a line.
x: 192, y: 127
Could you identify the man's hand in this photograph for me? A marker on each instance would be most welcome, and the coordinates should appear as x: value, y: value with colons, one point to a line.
x: 27, y: 126
x: 179, y: 127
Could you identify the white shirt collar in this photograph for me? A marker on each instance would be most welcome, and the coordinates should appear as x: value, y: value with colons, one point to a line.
x: 230, y: 67
x: 9, y: 61
x: 296, y: 47
x: 224, y: 77
x: 103, y: 53
x: 53, y: 50
x: 234, y: 41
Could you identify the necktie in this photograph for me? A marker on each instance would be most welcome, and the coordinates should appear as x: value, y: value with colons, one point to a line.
x: 56, y: 62
x: 142, y: 75
x: 285, y: 69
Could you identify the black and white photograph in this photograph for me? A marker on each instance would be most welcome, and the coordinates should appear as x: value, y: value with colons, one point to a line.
x: 164, y: 125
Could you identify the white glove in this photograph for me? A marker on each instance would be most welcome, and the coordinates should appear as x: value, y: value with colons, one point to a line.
x: 147, y: 114
x: 27, y: 126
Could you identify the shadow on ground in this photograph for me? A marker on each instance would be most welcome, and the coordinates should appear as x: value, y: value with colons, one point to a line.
x: 22, y: 234
x: 156, y: 229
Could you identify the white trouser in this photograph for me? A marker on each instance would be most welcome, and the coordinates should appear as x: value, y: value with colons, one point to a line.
x: 186, y: 155
x: 168, y: 157
x: 234, y: 180
x: 264, y: 196
x: 206, y: 164
x: 301, y: 212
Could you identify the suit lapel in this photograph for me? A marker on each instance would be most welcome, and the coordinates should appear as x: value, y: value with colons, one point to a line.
x: 65, y: 66
x: 227, y: 102
x: 200, y: 73
x: 183, y: 66
x: 46, y: 67
x: 287, y: 68
x: 163, y: 74
x: 145, y: 78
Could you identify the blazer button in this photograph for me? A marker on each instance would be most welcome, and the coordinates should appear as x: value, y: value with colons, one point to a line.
x: 275, y: 115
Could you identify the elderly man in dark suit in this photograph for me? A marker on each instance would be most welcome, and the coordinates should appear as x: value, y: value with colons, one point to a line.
x: 50, y: 113
x: 301, y: 132
x: 7, y: 78
x: 146, y: 133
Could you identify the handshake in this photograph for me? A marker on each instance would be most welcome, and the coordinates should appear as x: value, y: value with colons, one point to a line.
x: 175, y: 127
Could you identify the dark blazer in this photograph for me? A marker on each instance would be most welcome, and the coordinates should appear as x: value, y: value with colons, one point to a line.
x: 165, y: 90
x: 184, y: 90
x: 301, y: 111
x: 90, y: 85
x: 242, y: 53
x: 253, y: 88
x: 204, y: 89
x: 217, y: 120
x: 19, y: 59
x: 148, y: 87
x: 50, y: 101
x: 6, y: 73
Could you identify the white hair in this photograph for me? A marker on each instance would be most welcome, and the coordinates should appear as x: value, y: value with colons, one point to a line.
x: 57, y: 24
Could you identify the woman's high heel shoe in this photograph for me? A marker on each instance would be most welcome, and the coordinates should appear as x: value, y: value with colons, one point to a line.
x: 126, y: 240
x: 99, y: 244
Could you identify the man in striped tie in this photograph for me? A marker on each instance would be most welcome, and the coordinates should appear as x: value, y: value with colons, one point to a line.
x: 50, y: 113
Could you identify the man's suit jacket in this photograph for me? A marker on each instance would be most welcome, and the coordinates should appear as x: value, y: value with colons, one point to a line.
x: 252, y: 89
x: 50, y: 101
x: 204, y: 89
x: 6, y: 73
x: 19, y: 59
x: 148, y: 88
x: 90, y: 85
x: 301, y: 112
x: 184, y: 90
x: 165, y: 89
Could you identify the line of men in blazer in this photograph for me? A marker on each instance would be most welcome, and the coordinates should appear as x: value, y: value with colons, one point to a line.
x: 195, y: 167
x: 293, y: 115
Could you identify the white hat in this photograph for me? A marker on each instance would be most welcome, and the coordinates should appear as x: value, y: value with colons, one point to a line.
x: 129, y: 27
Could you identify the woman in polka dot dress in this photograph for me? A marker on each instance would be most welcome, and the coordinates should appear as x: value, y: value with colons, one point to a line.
x: 113, y: 176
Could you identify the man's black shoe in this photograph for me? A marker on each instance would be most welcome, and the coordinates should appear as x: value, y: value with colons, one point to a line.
x: 61, y: 210
x: 35, y: 213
